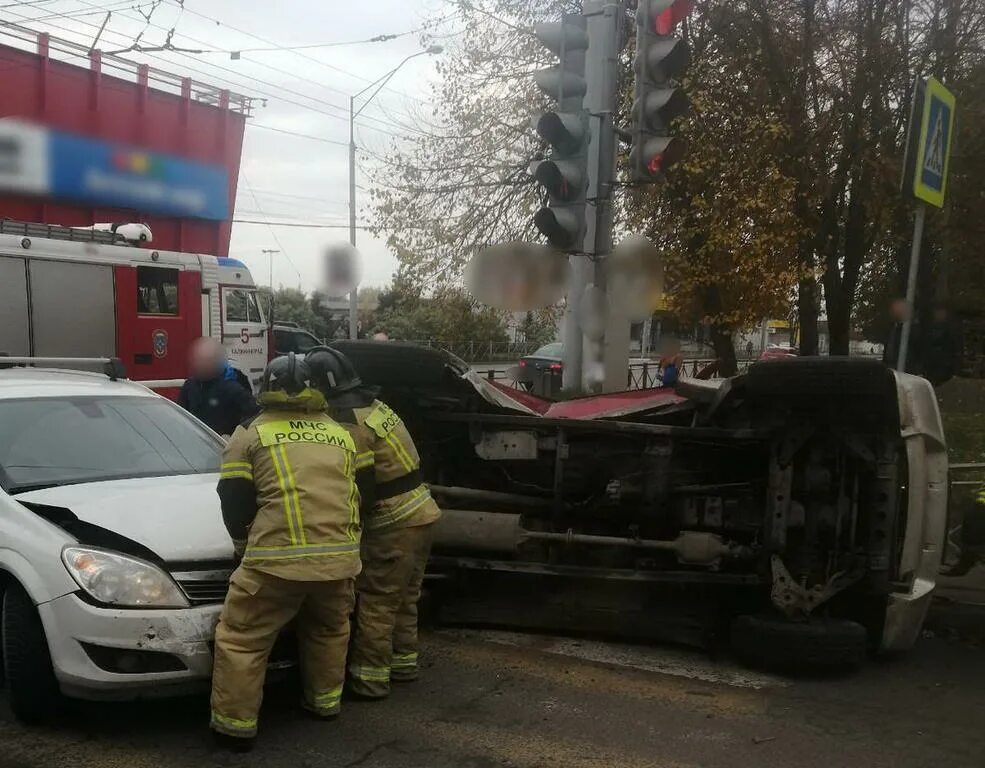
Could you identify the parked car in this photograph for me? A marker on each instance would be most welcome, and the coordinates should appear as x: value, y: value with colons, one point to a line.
x: 541, y: 371
x: 778, y: 352
x: 114, y: 560
x: 290, y: 337
x: 798, y: 510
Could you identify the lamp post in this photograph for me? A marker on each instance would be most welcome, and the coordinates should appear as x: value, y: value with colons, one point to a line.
x: 378, y: 84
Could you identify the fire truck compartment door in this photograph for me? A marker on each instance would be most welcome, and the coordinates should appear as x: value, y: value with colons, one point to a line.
x: 15, y: 330
x: 159, y: 312
x: 72, y: 309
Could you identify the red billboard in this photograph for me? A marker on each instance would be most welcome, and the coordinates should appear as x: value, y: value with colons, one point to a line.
x: 124, y: 104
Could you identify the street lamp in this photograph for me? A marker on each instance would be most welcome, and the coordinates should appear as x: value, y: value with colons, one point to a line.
x: 353, y: 114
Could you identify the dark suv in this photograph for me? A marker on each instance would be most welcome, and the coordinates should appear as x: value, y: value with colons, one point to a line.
x: 289, y: 337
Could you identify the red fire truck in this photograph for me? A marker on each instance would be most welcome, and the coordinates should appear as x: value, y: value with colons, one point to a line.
x: 68, y: 292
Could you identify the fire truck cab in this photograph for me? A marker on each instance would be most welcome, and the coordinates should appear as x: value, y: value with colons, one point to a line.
x: 67, y: 292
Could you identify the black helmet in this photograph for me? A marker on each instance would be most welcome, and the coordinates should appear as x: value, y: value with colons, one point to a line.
x: 331, y: 371
x: 286, y: 373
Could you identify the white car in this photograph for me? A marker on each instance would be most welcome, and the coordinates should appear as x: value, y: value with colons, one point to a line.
x: 114, y: 560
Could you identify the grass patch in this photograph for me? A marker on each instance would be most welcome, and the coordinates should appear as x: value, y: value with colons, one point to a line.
x: 962, y: 404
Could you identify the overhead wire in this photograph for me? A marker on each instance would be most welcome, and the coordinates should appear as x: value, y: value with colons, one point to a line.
x: 192, y: 53
x: 240, y: 85
x: 24, y: 3
x: 298, y: 225
x: 382, y: 38
x: 273, y: 234
x: 299, y: 134
x: 189, y: 53
x: 78, y: 14
x: 297, y: 53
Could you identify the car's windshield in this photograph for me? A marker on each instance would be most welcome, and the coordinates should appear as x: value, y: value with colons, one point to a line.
x: 58, y: 441
x: 549, y: 350
x: 306, y: 342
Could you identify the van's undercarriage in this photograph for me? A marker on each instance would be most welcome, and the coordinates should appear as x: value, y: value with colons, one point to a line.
x: 781, y: 494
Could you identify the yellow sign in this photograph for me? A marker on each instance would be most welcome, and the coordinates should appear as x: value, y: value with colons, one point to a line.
x: 934, y: 145
x: 314, y: 431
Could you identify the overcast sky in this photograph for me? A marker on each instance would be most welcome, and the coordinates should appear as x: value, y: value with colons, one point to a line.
x: 283, y: 178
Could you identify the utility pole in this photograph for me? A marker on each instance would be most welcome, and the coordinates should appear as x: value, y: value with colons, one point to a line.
x: 354, y: 293
x: 601, y: 366
x: 270, y: 257
x: 377, y: 85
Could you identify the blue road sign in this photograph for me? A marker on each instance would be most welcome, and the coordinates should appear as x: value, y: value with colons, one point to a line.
x: 934, y: 145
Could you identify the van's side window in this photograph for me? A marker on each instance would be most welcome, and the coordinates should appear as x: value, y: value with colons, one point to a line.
x: 157, y: 291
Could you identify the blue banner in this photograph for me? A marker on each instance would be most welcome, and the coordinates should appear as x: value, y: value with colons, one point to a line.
x: 124, y: 177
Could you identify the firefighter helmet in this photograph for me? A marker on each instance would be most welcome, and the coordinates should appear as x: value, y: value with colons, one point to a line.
x: 331, y: 371
x: 286, y: 374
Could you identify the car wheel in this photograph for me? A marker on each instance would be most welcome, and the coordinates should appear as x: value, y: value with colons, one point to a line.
x: 778, y: 644
x: 31, y: 685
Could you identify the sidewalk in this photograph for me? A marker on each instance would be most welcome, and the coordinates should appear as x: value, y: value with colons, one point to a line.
x: 959, y: 606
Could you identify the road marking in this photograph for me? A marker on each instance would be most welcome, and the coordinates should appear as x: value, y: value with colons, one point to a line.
x: 678, y: 662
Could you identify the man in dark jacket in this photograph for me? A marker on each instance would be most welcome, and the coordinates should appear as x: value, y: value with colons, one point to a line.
x: 941, y: 348
x: 215, y: 393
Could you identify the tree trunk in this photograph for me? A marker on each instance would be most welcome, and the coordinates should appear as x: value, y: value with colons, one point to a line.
x: 807, y: 315
x: 721, y: 339
x: 839, y: 327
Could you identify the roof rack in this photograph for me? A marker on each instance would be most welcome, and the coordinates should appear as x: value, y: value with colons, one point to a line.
x: 113, y: 367
x: 58, y: 232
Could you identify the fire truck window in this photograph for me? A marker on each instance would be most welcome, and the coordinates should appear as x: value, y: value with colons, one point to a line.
x: 241, y: 306
x: 236, y: 305
x: 157, y: 291
x: 252, y: 308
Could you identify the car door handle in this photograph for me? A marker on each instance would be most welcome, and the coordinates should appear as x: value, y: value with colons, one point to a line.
x: 143, y: 359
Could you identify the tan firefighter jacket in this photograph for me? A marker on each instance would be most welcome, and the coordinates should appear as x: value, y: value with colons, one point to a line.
x: 400, y: 496
x: 289, y: 494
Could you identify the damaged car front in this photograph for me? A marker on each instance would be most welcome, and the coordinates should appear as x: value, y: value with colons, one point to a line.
x: 796, y: 511
x: 113, y: 557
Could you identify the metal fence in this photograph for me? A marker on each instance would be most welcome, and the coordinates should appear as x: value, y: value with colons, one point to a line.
x: 484, y: 351
x: 963, y: 480
x: 646, y: 374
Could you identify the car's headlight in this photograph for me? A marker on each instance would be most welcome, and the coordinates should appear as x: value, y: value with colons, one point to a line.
x: 116, y: 579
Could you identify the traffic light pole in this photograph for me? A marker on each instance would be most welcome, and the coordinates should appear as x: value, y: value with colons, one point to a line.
x: 601, y: 364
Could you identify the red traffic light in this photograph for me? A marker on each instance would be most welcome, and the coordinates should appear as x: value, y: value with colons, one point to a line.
x: 665, y: 21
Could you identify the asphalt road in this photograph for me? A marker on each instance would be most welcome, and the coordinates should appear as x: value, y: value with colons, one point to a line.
x: 500, y: 699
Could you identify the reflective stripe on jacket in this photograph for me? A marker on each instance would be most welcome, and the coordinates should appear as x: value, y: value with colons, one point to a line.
x: 302, y: 465
x: 381, y: 431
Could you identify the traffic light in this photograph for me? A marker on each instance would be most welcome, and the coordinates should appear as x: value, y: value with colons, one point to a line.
x: 564, y: 174
x: 660, y: 60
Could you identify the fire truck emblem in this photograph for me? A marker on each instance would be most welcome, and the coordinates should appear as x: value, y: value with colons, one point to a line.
x: 160, y: 339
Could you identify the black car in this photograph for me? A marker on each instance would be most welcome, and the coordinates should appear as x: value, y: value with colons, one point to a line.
x: 540, y: 372
x: 292, y: 338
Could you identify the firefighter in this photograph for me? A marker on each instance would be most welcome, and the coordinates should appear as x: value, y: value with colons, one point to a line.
x: 291, y: 505
x: 397, y: 529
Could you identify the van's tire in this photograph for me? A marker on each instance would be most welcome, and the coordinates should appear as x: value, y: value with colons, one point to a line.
x: 32, y: 689
x: 820, y: 376
x: 818, y: 645
x: 394, y: 363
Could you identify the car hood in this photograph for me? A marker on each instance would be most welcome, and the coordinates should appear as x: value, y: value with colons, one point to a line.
x: 177, y: 517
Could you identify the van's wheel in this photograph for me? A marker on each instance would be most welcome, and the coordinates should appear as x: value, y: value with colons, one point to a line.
x: 31, y: 685
x: 778, y: 644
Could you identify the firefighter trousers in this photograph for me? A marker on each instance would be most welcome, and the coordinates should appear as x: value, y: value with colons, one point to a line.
x: 257, y: 608
x: 389, y: 587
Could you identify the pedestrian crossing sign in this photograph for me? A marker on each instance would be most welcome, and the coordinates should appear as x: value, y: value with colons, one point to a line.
x: 934, y: 145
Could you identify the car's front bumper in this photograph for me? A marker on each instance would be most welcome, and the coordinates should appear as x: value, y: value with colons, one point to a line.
x: 181, y: 635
